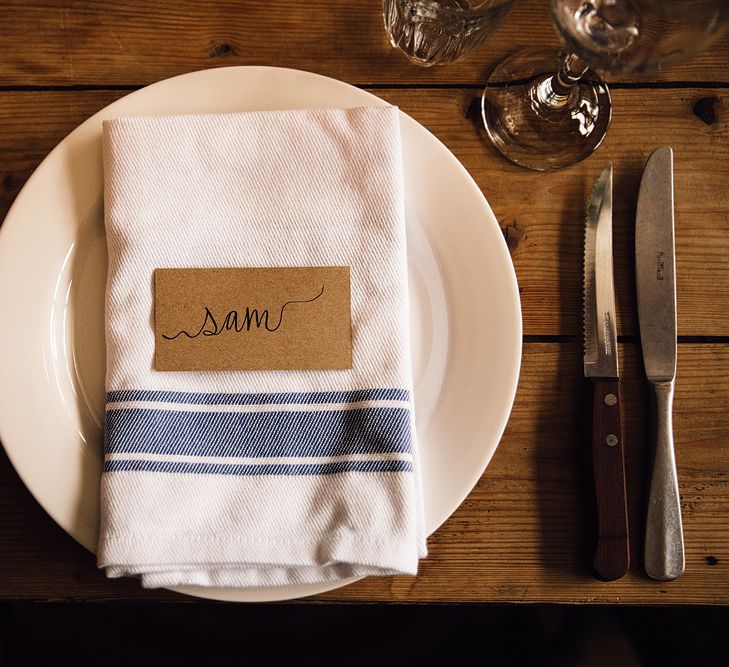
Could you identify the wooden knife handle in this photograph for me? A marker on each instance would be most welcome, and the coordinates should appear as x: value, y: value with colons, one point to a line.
x: 612, y: 555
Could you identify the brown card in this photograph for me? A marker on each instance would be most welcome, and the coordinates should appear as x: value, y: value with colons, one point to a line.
x: 296, y: 318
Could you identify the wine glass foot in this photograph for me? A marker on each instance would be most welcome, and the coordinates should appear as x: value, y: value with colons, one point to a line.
x: 537, y: 123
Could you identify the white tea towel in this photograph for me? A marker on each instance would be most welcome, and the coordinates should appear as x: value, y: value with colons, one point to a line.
x: 260, y: 478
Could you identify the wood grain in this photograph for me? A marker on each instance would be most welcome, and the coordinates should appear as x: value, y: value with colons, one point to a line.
x: 541, y: 214
x: 523, y: 534
x: 73, y: 42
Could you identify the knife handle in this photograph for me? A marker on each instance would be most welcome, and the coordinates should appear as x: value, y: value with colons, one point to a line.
x: 612, y: 555
x: 664, y: 555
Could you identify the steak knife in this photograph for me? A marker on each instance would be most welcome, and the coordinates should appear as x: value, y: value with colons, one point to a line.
x: 612, y: 557
x: 656, y: 284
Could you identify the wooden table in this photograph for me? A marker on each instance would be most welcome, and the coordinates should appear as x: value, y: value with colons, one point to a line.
x: 519, y: 536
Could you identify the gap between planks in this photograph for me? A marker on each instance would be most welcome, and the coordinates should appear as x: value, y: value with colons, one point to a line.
x: 614, y: 85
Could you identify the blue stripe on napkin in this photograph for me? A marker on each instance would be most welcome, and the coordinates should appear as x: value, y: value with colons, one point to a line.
x: 259, y: 434
x: 261, y: 469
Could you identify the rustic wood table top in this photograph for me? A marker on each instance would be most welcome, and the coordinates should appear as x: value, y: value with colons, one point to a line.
x: 520, y: 535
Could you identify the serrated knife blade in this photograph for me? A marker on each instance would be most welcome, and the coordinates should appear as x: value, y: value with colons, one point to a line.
x: 600, y: 337
x: 612, y: 557
x: 656, y: 291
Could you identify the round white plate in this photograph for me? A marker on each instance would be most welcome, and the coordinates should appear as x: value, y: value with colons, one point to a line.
x: 465, y: 315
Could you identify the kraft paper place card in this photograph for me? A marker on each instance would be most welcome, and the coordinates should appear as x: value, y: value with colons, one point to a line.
x: 292, y: 318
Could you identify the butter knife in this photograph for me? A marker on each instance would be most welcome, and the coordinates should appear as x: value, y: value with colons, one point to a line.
x: 612, y: 557
x: 656, y: 284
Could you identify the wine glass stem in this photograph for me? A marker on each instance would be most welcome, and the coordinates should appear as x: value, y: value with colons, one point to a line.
x: 554, y: 92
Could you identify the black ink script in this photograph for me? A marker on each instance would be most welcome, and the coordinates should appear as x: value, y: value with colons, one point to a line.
x: 239, y: 320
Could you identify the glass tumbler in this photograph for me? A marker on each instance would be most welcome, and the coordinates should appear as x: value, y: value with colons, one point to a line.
x: 437, y: 32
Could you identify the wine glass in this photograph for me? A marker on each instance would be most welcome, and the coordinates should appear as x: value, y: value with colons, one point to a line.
x: 546, y: 110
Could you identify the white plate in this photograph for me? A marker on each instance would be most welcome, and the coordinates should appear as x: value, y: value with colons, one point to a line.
x: 465, y: 316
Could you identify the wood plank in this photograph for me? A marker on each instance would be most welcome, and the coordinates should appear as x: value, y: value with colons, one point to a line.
x: 72, y: 42
x: 541, y: 214
x: 521, y: 534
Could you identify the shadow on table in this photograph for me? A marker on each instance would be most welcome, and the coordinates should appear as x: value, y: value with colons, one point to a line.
x: 564, y: 486
x: 353, y: 635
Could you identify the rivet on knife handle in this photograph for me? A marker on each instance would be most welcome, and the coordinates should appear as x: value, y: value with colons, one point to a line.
x: 664, y: 555
x: 612, y: 554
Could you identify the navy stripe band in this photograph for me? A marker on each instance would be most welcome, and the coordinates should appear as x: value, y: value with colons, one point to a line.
x: 354, y: 396
x: 259, y: 434
x: 264, y: 469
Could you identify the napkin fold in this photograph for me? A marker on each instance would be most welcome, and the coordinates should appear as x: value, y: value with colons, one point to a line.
x: 260, y: 478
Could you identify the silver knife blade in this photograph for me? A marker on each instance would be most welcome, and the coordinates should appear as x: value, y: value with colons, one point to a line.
x: 655, y: 267
x: 600, y: 337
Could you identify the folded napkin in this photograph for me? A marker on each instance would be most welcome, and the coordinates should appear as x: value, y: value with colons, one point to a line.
x: 258, y: 478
